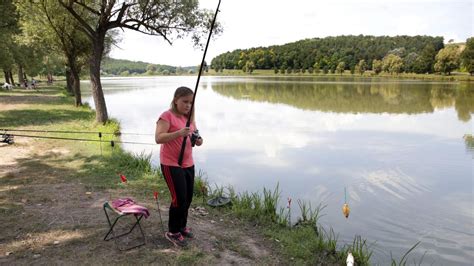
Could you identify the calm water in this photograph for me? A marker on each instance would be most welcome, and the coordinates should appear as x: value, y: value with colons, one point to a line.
x: 397, y: 146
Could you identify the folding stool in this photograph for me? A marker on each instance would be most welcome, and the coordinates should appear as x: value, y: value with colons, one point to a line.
x: 122, y: 208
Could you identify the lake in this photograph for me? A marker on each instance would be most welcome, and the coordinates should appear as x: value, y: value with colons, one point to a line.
x: 397, y: 146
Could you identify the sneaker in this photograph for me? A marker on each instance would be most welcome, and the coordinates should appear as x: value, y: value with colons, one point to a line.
x: 186, y: 232
x: 177, y: 239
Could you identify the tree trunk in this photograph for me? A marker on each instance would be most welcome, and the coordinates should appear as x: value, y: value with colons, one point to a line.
x: 10, y: 74
x: 5, y: 73
x: 76, y: 85
x: 69, y: 82
x: 97, y: 93
x: 20, y: 75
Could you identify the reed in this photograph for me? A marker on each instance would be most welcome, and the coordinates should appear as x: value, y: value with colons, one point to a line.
x: 404, y: 259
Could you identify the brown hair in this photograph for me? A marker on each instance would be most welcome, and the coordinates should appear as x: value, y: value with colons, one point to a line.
x: 181, y: 92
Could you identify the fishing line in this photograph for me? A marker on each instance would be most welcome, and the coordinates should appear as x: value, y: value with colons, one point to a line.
x: 345, y: 195
x: 78, y: 132
x: 112, y: 142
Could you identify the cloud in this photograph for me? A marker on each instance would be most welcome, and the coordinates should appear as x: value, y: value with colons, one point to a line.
x: 263, y: 23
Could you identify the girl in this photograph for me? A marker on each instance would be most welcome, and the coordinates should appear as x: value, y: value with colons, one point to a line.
x: 170, y: 131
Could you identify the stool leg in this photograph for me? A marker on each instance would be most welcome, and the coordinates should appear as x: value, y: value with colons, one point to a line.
x: 115, y: 237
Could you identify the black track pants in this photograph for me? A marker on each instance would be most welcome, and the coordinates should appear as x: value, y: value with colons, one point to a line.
x: 180, y: 182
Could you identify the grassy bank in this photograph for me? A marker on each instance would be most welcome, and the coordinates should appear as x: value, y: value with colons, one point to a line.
x: 57, y: 187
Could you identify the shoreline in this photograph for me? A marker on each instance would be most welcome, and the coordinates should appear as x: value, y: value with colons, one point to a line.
x: 458, y: 77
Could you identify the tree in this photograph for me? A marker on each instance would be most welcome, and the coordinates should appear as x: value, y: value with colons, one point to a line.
x: 46, y: 22
x: 9, y: 15
x: 377, y: 66
x: 8, y: 28
x: 167, y: 19
x: 447, y: 59
x: 283, y: 69
x: 330, y: 51
x: 392, y: 64
x: 151, y: 69
x: 340, y: 67
x: 467, y: 56
x: 425, y: 62
x: 400, y: 52
x: 325, y: 69
x: 249, y: 66
x: 6, y: 61
x: 361, y: 67
x: 409, y: 62
x: 316, y: 67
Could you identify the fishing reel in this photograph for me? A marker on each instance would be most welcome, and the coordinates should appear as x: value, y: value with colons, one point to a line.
x: 194, y: 137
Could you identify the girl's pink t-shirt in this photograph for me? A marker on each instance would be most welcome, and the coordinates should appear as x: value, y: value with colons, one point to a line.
x: 169, y: 151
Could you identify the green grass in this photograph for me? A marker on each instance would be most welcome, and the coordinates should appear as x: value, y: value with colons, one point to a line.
x: 305, y: 242
x: 97, y: 164
x: 360, y: 250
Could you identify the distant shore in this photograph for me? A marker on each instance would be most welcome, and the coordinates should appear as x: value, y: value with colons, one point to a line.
x: 455, y: 76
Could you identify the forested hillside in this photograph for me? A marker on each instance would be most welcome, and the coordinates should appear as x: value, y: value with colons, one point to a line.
x: 111, y: 66
x: 414, y: 54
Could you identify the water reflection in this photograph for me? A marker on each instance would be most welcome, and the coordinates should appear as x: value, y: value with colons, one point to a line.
x: 361, y: 97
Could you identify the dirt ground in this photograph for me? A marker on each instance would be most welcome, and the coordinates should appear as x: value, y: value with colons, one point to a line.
x: 48, y: 219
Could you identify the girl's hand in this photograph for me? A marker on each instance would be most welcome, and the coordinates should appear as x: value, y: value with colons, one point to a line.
x: 185, y: 131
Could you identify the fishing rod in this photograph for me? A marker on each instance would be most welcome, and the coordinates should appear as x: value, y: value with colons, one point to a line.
x: 188, y: 123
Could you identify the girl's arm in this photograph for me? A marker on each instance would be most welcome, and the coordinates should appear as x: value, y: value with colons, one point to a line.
x: 162, y: 135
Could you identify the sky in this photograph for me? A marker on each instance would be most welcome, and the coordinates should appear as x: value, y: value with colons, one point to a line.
x: 261, y: 23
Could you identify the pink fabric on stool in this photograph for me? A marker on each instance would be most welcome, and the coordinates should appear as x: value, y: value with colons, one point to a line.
x: 127, y: 205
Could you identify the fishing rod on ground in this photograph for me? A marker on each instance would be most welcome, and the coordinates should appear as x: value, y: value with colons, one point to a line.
x: 155, y: 195
x: 188, y: 123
